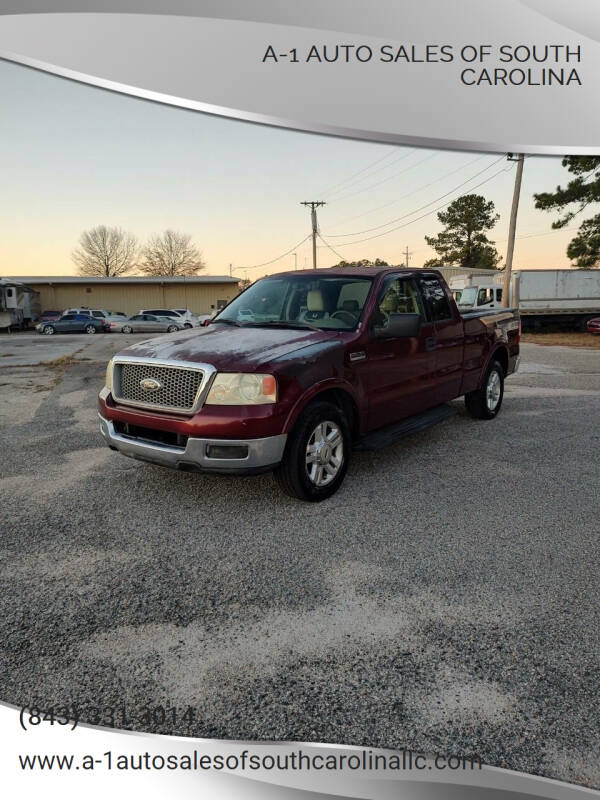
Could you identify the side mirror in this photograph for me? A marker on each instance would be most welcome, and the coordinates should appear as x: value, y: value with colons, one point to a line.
x: 399, y: 325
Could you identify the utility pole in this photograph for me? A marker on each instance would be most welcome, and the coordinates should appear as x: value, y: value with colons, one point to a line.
x: 231, y: 269
x: 295, y: 260
x: 407, y: 255
x: 314, y: 204
x: 512, y: 228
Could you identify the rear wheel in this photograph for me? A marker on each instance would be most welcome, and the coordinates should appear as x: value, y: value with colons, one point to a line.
x: 316, y: 455
x: 173, y: 328
x: 90, y: 329
x: 485, y: 402
x: 126, y: 329
x: 49, y: 330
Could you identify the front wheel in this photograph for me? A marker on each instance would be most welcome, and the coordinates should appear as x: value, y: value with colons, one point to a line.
x: 126, y: 329
x: 485, y: 402
x: 316, y: 455
x: 48, y: 330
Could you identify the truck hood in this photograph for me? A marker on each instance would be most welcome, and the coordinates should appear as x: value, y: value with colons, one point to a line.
x: 229, y: 348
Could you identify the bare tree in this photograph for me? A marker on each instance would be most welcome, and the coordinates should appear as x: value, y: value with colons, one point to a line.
x: 105, y: 252
x: 171, y: 253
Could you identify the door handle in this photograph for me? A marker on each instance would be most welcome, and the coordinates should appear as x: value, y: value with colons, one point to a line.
x: 430, y: 343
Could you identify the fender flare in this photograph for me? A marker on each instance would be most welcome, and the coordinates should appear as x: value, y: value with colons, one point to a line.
x: 313, y: 391
x: 500, y: 347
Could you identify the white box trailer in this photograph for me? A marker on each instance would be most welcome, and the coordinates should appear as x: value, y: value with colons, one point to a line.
x: 564, y: 297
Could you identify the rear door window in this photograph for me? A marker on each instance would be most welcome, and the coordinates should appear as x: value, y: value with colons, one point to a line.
x: 436, y: 299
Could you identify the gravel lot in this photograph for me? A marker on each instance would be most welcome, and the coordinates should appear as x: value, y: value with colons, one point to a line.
x: 446, y: 599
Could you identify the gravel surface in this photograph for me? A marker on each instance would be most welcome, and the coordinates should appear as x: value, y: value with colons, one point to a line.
x: 446, y: 599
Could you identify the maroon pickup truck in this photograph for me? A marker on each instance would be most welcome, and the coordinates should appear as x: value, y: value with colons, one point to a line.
x: 303, y: 367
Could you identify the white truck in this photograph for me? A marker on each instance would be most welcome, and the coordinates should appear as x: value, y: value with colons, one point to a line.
x: 566, y: 298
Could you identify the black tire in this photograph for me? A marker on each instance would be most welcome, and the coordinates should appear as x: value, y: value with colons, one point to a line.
x: 90, y: 329
x: 486, y: 401
x: 49, y: 330
x: 126, y: 329
x: 173, y: 328
x: 185, y: 325
x: 292, y: 474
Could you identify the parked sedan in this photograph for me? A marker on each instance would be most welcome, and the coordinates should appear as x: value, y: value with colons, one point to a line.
x: 73, y: 323
x: 145, y: 323
x: 183, y: 316
x: 593, y: 325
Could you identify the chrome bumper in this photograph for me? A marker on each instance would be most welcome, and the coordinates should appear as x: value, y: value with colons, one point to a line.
x: 263, y: 454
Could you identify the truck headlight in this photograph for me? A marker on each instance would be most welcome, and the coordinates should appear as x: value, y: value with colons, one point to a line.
x: 109, y: 375
x: 242, y: 389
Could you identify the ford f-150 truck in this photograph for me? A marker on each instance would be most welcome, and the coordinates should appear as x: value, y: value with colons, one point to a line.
x: 301, y: 368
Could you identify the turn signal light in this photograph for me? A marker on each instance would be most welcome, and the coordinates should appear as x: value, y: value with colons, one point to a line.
x: 268, y: 385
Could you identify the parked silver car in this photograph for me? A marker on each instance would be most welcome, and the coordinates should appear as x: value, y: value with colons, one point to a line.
x: 181, y: 315
x: 145, y: 323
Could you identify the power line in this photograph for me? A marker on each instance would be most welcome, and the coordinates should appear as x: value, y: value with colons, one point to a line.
x: 409, y: 194
x: 389, y: 178
x: 374, y: 172
x: 533, y: 235
x: 273, y: 260
x: 341, y: 257
x: 416, y: 211
x: 360, y: 172
x: 427, y: 214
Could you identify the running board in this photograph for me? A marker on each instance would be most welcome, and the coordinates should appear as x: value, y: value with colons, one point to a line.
x: 384, y: 437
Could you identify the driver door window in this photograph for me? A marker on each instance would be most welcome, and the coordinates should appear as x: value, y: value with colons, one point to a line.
x: 399, y: 296
x: 485, y: 296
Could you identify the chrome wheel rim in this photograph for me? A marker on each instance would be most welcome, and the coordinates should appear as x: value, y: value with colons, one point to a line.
x: 48, y: 331
x: 324, y: 453
x: 494, y: 387
x: 90, y: 329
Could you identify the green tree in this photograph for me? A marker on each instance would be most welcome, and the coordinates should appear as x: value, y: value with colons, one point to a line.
x: 433, y: 263
x: 463, y: 241
x: 580, y: 192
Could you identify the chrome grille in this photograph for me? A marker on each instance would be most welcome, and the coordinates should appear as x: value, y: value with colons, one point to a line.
x: 178, y: 390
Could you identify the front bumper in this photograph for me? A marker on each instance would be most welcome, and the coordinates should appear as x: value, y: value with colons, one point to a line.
x: 262, y: 454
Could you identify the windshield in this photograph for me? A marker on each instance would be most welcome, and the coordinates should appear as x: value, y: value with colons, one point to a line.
x: 303, y: 301
x: 468, y: 296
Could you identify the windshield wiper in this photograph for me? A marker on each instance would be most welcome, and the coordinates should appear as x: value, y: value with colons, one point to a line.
x: 225, y: 321
x: 281, y: 323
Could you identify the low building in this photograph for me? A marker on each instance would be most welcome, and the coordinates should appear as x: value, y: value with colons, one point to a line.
x: 201, y: 294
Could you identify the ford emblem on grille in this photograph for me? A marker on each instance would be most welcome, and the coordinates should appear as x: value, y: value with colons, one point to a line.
x: 150, y: 384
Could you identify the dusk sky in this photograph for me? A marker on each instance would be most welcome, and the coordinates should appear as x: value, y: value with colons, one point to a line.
x: 74, y: 156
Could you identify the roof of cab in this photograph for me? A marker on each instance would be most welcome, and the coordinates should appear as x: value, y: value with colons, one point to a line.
x: 363, y: 272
